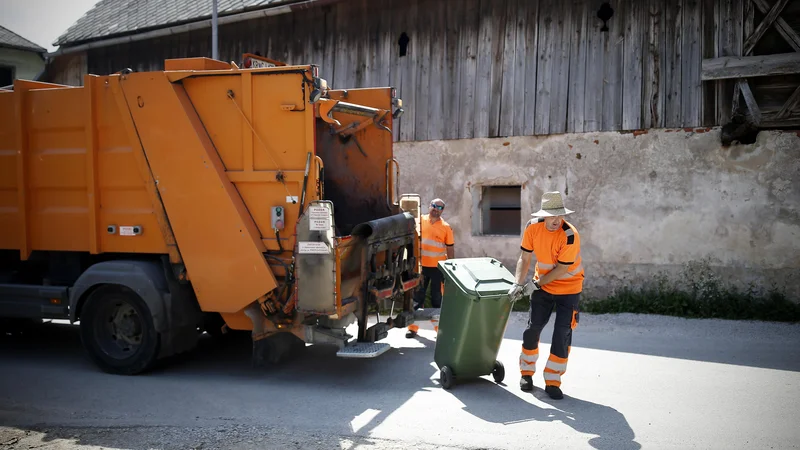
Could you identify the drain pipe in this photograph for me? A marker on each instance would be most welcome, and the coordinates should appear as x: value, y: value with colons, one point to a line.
x: 214, y: 32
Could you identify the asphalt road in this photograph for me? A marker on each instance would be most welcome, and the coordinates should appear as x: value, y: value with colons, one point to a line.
x: 632, y: 382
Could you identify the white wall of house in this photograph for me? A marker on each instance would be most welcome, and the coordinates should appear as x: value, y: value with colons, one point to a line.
x: 26, y: 64
x: 646, y: 204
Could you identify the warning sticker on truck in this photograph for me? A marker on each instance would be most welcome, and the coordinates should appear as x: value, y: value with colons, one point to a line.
x: 318, y: 248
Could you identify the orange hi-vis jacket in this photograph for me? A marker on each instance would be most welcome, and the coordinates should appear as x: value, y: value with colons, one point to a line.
x: 435, y: 239
x: 551, y: 248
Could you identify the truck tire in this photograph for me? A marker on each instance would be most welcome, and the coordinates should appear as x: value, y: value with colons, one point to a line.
x: 117, y: 331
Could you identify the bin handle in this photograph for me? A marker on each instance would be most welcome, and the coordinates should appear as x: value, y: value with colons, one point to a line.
x: 489, y: 281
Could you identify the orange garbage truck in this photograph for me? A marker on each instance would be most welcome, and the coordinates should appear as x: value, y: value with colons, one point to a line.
x: 151, y: 207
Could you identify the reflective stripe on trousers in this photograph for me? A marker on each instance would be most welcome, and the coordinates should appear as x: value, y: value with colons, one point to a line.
x: 555, y: 368
x: 527, y: 361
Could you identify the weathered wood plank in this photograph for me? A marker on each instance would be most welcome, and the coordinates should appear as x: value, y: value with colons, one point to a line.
x: 751, y: 66
x: 770, y: 121
x: 632, y: 66
x: 544, y: 70
x: 468, y: 43
x: 731, y: 19
x: 361, y: 42
x: 595, y: 67
x: 531, y: 51
x: 409, y: 71
x: 385, y: 36
x: 752, y: 105
x: 791, y: 104
x: 341, y: 65
x: 394, y: 24
x: 653, y: 82
x: 329, y: 46
x: 783, y: 28
x: 483, y: 77
x: 520, y: 63
x: 424, y: 29
x: 559, y: 94
x: 498, y: 47
x: 452, y: 91
x: 691, y: 93
x: 437, y: 73
x: 577, y: 66
x: 673, y: 51
x: 765, y: 24
x: 508, y: 76
x: 613, y: 53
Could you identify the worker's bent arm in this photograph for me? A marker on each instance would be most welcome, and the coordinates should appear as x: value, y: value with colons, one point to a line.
x: 554, y: 274
x: 451, y: 252
x: 523, y: 264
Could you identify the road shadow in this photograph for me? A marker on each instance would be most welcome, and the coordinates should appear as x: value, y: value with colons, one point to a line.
x: 491, y: 403
x: 741, y: 343
x: 208, y: 388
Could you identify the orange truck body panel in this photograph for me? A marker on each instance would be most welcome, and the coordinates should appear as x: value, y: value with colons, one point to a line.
x: 194, y: 158
x: 256, y: 194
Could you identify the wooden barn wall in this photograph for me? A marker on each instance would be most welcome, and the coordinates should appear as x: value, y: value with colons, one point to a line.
x: 486, y: 68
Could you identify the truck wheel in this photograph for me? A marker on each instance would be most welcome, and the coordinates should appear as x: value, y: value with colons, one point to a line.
x: 117, y: 331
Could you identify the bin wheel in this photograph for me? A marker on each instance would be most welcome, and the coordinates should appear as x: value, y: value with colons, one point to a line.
x: 499, y: 372
x: 446, y: 377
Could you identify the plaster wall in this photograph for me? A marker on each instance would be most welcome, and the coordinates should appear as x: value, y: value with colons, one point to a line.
x: 646, y: 203
x: 26, y: 64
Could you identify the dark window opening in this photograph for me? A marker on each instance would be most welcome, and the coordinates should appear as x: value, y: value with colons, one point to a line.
x: 501, y: 211
x: 403, y: 43
x: 6, y: 76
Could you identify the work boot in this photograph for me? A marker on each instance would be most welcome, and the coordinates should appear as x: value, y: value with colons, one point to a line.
x: 526, y: 383
x: 554, y: 392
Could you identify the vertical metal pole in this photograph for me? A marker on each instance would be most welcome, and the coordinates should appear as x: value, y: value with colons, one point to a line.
x: 214, y: 34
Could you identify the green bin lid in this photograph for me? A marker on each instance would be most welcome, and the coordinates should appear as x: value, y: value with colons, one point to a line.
x: 478, y: 276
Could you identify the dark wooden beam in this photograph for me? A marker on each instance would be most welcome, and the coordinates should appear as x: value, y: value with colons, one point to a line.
x: 783, y: 28
x: 750, y: 66
x: 771, y: 120
x: 792, y: 103
x: 762, y: 28
x: 750, y: 100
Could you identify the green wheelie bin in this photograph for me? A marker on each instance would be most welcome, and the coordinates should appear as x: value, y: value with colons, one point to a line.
x: 473, y: 319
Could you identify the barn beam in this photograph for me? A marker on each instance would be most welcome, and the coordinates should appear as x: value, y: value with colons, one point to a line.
x: 750, y: 100
x: 792, y: 103
x: 728, y: 67
x: 762, y: 28
x: 783, y: 28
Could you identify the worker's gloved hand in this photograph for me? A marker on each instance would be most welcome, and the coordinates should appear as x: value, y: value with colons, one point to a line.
x: 530, y: 287
x: 516, y: 291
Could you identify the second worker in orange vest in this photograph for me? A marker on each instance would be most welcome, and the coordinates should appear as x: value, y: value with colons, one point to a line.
x: 437, y: 245
x: 557, y: 279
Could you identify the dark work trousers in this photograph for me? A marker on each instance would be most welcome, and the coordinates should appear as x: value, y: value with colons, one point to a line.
x: 566, y: 320
x: 431, y: 276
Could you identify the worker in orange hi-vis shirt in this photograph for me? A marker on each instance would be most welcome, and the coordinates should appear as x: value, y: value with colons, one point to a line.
x: 437, y: 245
x: 557, y: 279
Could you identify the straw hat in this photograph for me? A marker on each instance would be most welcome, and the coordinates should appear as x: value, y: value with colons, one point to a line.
x: 552, y: 205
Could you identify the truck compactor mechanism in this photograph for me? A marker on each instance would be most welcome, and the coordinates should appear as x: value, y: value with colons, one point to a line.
x: 153, y: 206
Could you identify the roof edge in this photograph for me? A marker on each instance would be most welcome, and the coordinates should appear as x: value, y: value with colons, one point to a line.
x: 39, y: 50
x: 277, y: 8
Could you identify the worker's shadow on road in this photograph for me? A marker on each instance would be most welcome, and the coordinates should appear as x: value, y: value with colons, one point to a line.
x: 489, y: 402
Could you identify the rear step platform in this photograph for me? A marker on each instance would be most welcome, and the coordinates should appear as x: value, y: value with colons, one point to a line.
x: 363, y: 350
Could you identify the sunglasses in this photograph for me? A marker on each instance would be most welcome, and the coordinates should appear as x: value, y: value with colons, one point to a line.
x: 439, y: 207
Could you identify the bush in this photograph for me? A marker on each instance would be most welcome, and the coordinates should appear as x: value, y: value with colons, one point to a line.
x: 702, y: 295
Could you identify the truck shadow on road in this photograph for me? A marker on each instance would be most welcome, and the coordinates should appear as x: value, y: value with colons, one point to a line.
x: 216, y: 387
